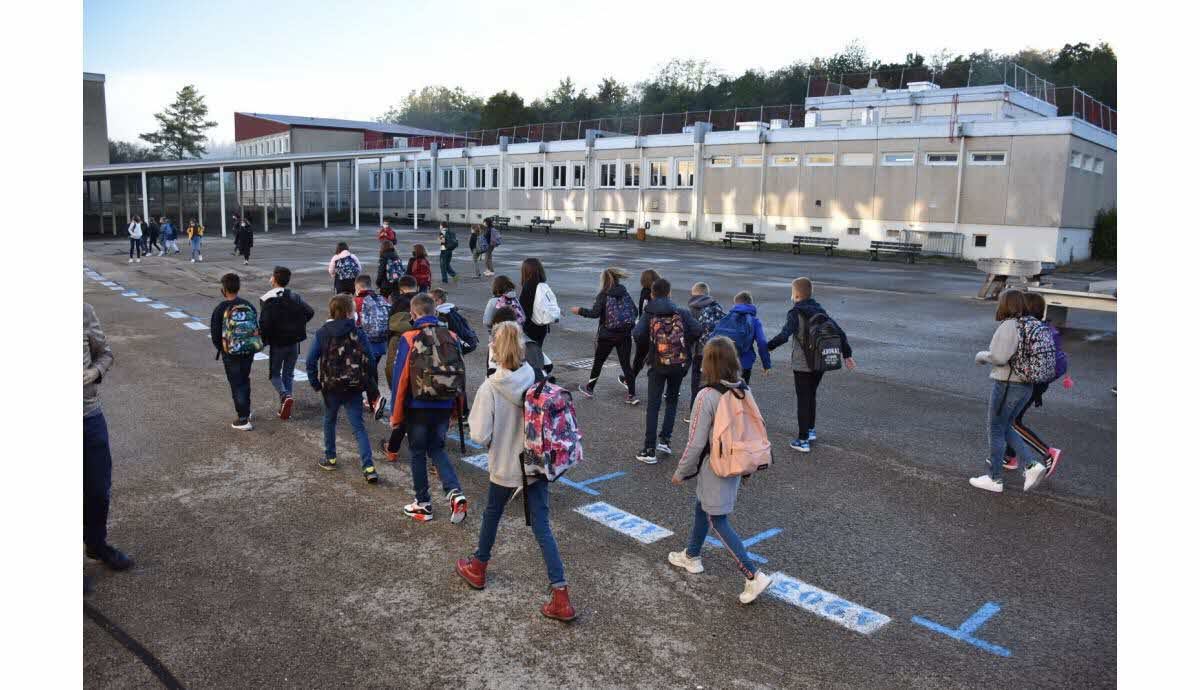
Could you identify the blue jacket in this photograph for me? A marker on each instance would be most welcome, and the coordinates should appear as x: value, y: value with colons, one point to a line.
x: 168, y: 230
x: 331, y: 329
x: 400, y: 368
x: 758, y: 337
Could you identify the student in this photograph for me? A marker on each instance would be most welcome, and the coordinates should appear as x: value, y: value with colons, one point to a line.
x: 243, y: 240
x: 708, y: 312
x: 194, y: 233
x: 283, y: 316
x: 742, y: 326
x: 340, y: 367
x: 497, y: 423
x: 390, y: 271
x: 487, y: 244
x: 386, y: 233
x: 344, y: 267
x: 639, y: 357
x: 476, y: 252
x: 1010, y: 393
x: 1035, y: 308
x: 235, y: 334
x: 532, y: 354
x: 399, y: 322
x: 426, y: 414
x: 447, y: 242
x: 667, y: 333
x: 418, y: 267
x: 537, y: 301
x: 151, y: 237
x: 806, y: 380
x: 504, y: 294
x: 135, y: 239
x: 170, y: 236
x: 371, y: 314
x: 97, y: 458
x: 450, y: 317
x: 617, y: 315
x: 715, y: 496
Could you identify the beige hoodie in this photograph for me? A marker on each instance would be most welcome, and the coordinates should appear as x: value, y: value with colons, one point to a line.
x: 498, y: 422
x: 1001, y: 351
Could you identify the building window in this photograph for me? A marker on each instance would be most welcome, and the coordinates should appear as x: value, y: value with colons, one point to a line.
x: 814, y: 228
x: 286, y: 145
x: 1076, y: 159
x: 402, y: 182
x: 830, y: 123
x: 389, y: 181
x: 750, y: 162
x: 717, y: 228
x: 518, y: 177
x: 1098, y: 166
x: 495, y: 177
x: 460, y: 178
x: 981, y: 240
x: 897, y: 120
x: 853, y: 160
x: 480, y: 178
x: 781, y: 227
x: 893, y: 233
x: 993, y: 158
x: 426, y: 178
x: 558, y: 176
x: 819, y: 160
x: 785, y: 160
x: 685, y: 173
x: 608, y: 175
x: 537, y: 175
x: 720, y: 161
x: 447, y: 178
x: 853, y: 231
x: 658, y: 173
x: 1087, y: 162
x: 373, y: 181
x: 578, y: 174
x: 897, y: 159
x: 633, y: 174
x: 941, y: 159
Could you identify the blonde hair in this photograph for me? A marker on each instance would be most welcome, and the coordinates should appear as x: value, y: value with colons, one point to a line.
x: 508, y: 347
x: 720, y: 362
x: 700, y: 289
x: 801, y: 289
x: 611, y: 276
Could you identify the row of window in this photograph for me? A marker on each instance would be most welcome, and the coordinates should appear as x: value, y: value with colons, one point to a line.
x: 263, y: 179
x: 1087, y: 162
x: 896, y: 158
x: 264, y: 147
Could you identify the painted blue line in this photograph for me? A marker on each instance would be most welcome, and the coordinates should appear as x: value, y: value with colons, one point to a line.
x: 602, y: 478
x: 978, y: 618
x: 469, y: 442
x: 576, y: 485
x: 710, y: 541
x: 963, y: 632
x: 766, y: 534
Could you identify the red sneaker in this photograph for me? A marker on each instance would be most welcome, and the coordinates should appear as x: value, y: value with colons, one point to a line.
x: 1010, y: 462
x: 391, y: 457
x: 285, y: 407
x: 473, y: 570
x: 1052, y: 463
x: 559, y: 607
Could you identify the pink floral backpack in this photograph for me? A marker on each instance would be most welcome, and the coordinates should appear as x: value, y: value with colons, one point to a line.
x: 552, y: 438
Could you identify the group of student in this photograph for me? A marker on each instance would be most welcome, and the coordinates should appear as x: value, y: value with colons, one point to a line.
x: 144, y: 238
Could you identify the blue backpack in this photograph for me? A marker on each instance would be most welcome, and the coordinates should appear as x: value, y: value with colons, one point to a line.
x: 737, y: 327
x: 709, y: 317
x: 620, y: 313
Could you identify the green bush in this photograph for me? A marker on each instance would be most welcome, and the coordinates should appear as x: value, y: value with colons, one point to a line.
x: 1104, y: 235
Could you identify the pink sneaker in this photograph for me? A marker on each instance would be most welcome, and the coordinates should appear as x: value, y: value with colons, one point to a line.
x: 1055, y: 455
x: 1010, y: 462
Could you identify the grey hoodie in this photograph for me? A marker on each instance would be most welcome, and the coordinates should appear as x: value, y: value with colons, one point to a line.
x: 717, y: 495
x: 97, y: 355
x: 497, y: 422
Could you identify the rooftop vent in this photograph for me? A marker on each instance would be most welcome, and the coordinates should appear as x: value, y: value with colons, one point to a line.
x: 780, y: 123
x: 751, y: 126
x: 915, y: 86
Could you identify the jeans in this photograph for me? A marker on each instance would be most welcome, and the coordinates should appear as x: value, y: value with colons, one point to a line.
x: 603, y: 349
x: 97, y: 480
x: 746, y: 375
x: 354, y: 413
x: 135, y: 245
x: 1040, y: 446
x: 475, y: 263
x: 806, y: 400
x: 725, y: 534
x: 427, y: 439
x: 538, y: 495
x: 444, y: 262
x: 170, y: 244
x: 378, y: 354
x: 487, y: 260
x: 196, y: 248
x: 237, y: 372
x: 1002, y: 412
x: 656, y: 379
x: 281, y: 367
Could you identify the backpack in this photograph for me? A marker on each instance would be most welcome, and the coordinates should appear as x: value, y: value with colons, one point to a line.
x: 739, y: 445
x: 459, y: 326
x: 620, y: 313
x: 552, y: 438
x: 451, y: 241
x: 343, y: 364
x: 506, y: 301
x: 667, y: 338
x: 1061, y: 364
x: 420, y: 271
x: 545, y: 306
x: 822, y: 343
x: 375, y: 318
x: 1035, y: 357
x: 437, y: 372
x: 493, y: 238
x: 737, y: 327
x: 346, y: 268
x: 709, y: 317
x: 481, y: 242
x: 287, y: 319
x: 393, y: 270
x: 239, y: 330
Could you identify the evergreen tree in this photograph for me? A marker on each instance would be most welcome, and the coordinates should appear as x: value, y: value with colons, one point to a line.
x: 181, y: 126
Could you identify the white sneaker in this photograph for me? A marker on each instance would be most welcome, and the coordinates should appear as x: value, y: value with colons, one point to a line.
x: 193, y: 261
x: 680, y: 559
x: 139, y: 261
x: 985, y: 482
x: 1034, y: 475
x: 130, y: 260
x: 663, y: 448
x: 201, y: 257
x: 755, y: 587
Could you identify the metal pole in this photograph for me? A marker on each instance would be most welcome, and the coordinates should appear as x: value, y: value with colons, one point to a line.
x: 145, y: 197
x: 200, y: 199
x: 356, y: 186
x: 292, y: 192
x: 414, y: 188
x: 325, y: 195
x: 180, y: 180
x: 125, y: 187
x: 381, y: 191
x: 221, y: 185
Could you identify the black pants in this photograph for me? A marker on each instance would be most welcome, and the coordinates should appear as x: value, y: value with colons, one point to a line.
x: 1026, y: 433
x: 345, y: 285
x: 237, y: 372
x: 639, y: 358
x: 746, y: 375
x: 658, y: 381
x: 97, y: 480
x: 153, y: 244
x: 135, y: 244
x: 806, y: 400
x: 245, y: 252
x: 603, y: 349
x: 697, y: 358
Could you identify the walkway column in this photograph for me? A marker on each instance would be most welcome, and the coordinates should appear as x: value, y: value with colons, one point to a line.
x: 325, y: 195
x: 381, y: 191
x: 292, y: 191
x: 221, y: 186
x: 356, y: 185
x: 416, y: 171
x: 124, y: 186
x: 145, y: 197
x: 200, y: 200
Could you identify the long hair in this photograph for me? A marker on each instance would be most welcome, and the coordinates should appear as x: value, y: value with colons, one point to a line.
x: 720, y: 362
x: 419, y: 251
x: 1035, y: 305
x: 532, y: 271
x: 611, y: 277
x: 1010, y: 305
x: 508, y: 345
x: 648, y: 277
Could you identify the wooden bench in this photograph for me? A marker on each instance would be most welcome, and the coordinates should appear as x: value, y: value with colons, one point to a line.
x: 908, y: 249
x: 537, y: 222
x: 500, y: 222
x: 620, y: 228
x: 814, y: 241
x: 754, y: 238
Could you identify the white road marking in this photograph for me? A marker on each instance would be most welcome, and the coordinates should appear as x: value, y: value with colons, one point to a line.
x: 142, y: 299
x: 177, y: 315
x: 159, y: 305
x: 630, y: 525
x: 196, y: 326
x: 827, y: 605
x: 260, y: 356
x: 131, y: 293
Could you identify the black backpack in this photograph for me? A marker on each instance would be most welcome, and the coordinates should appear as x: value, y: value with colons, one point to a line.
x: 286, y: 319
x: 343, y: 365
x: 822, y: 343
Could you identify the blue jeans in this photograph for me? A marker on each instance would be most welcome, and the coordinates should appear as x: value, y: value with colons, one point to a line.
x: 427, y: 440
x: 725, y: 534
x: 195, y: 247
x: 447, y: 269
x: 97, y: 480
x: 354, y: 409
x: 538, y: 494
x: 658, y: 378
x: 1000, y: 426
x: 237, y: 372
x: 281, y: 367
x: 378, y: 354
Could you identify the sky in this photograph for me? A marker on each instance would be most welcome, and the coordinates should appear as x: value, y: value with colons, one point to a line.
x: 355, y: 58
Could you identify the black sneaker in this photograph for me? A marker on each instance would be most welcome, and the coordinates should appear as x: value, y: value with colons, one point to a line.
x: 648, y: 456
x: 113, y: 558
x: 379, y: 407
x: 328, y: 463
x: 370, y: 474
x: 87, y: 584
x: 621, y: 378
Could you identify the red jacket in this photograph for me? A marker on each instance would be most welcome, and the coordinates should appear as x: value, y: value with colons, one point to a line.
x: 386, y: 233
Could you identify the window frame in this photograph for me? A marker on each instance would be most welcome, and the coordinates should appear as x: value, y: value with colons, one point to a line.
x: 658, y: 169
x: 750, y: 160
x: 941, y: 163
x: 885, y: 163
x: 609, y: 167
x: 778, y: 160
x: 578, y: 175
x: 372, y: 180
x: 513, y: 170
x: 1098, y: 165
x: 870, y: 159
x: 971, y: 158
x: 691, y: 164
x: 1076, y: 159
x: 494, y: 176
x: 537, y: 176
x: 634, y: 167
x: 558, y: 181
x: 720, y: 161
x: 811, y: 160
x: 447, y: 178
x: 460, y: 177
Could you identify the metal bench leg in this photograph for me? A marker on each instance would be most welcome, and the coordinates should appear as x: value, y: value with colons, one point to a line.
x: 829, y: 251
x: 912, y: 258
x: 875, y: 255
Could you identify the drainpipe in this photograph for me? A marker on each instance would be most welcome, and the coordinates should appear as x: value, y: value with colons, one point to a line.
x: 962, y: 147
x: 502, y: 189
x: 589, y: 178
x: 762, y: 183
x: 701, y: 128
x: 469, y: 179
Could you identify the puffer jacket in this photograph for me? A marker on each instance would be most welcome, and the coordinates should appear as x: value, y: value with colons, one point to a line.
x: 497, y: 422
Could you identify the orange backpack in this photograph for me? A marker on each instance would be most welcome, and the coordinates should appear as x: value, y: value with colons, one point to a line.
x: 739, y: 444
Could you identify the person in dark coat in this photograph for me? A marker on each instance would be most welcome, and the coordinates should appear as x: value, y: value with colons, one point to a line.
x: 611, y: 336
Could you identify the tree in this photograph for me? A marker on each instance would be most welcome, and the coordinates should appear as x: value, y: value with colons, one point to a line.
x: 503, y: 109
x: 611, y: 96
x: 130, y: 152
x: 181, y: 126
x: 437, y: 107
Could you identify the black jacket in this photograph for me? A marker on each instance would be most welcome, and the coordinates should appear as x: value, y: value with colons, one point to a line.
x: 800, y: 312
x: 598, y: 311
x: 243, y: 237
x: 662, y: 306
x: 535, y: 331
x: 643, y: 298
x: 381, y: 283
x: 282, y: 317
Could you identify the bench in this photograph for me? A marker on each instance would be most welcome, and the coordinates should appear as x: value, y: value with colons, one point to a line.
x: 754, y: 238
x: 814, y: 241
x: 537, y: 222
x: 909, y: 249
x: 500, y: 222
x: 620, y: 228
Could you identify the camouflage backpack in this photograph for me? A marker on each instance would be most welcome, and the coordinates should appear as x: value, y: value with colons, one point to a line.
x: 437, y: 372
x: 343, y: 364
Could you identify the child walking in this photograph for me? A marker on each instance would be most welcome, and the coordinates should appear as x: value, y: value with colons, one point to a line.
x: 195, y: 233
x: 473, y: 244
x: 617, y: 314
x: 235, y: 334
x: 708, y: 312
x: 344, y: 267
x: 715, y: 496
x: 667, y: 333
x: 1035, y: 308
x: 742, y: 326
x: 418, y: 267
x: 284, y: 316
x: 497, y: 422
x: 447, y: 242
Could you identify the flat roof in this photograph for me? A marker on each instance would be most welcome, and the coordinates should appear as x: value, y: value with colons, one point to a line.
x: 333, y: 123
x: 92, y: 76
x: 277, y: 160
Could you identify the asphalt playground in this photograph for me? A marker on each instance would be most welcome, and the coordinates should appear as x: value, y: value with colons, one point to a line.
x: 257, y: 568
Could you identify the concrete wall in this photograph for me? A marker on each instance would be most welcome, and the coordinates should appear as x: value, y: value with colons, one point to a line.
x: 95, y: 121
x: 314, y: 140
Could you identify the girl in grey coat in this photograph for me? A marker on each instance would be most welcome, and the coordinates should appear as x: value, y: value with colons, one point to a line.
x: 715, y: 496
